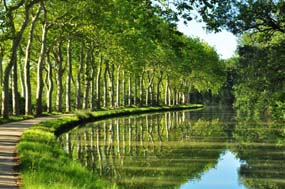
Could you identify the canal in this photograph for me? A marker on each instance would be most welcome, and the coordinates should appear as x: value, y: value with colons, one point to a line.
x: 202, y: 149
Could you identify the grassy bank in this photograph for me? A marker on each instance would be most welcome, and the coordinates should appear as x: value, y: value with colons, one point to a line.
x: 44, y: 164
x: 15, y: 118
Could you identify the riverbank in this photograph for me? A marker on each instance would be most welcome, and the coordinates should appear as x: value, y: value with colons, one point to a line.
x: 44, y: 164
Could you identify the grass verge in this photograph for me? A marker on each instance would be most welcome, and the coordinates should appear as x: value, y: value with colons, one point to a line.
x: 44, y: 164
x: 13, y: 118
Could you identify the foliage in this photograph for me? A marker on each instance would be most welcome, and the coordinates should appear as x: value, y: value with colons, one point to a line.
x: 260, y: 84
x: 103, y: 41
x: 237, y: 16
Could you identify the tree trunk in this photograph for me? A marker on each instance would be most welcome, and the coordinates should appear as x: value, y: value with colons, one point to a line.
x: 27, y: 75
x: 87, y: 81
x: 78, y: 79
x: 151, y: 94
x: 141, y: 88
x: 166, y: 96
x: 105, y: 85
x: 130, y: 91
x: 69, y: 77
x: 92, y: 88
x: 169, y: 96
x: 15, y: 93
x: 118, y: 87
x: 111, y: 80
x: 149, y: 89
x: 22, y: 80
x: 124, y: 89
x: 59, y: 74
x: 1, y: 72
x: 39, y: 108
x: 13, y: 57
x: 98, y: 84
x: 50, y: 85
x: 158, y: 88
x: 1, y: 66
x: 135, y: 89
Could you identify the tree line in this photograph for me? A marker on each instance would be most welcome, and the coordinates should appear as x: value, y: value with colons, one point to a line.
x: 69, y: 55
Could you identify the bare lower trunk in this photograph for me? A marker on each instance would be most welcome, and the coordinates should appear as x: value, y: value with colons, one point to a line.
x: 106, y: 86
x: 118, y: 88
x: 15, y: 94
x: 78, y: 79
x: 87, y: 81
x: 130, y: 91
x: 98, y: 84
x: 59, y: 74
x: 111, y: 81
x: 50, y: 85
x: 149, y: 89
x: 174, y: 96
x: 27, y: 75
x: 1, y: 73
x: 22, y: 81
x: 135, y: 90
x: 141, y: 88
x: 166, y: 96
x: 39, y: 106
x: 92, y: 87
x: 124, y: 89
x: 13, y: 58
x: 169, y: 96
x: 68, y: 78
x: 158, y: 88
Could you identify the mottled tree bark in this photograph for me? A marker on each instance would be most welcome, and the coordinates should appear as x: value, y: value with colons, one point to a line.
x: 124, y: 89
x: 118, y: 87
x: 106, y: 85
x: 27, y: 75
x: 15, y: 93
x: 148, y: 95
x: 68, y: 77
x: 130, y: 91
x: 135, y: 89
x: 87, y: 80
x: 13, y: 56
x: 59, y: 74
x: 98, y: 83
x: 141, y: 88
x: 112, y: 88
x: 159, y: 80
x: 93, y: 87
x: 166, y: 94
x: 78, y: 78
x: 39, y: 108
x: 50, y: 84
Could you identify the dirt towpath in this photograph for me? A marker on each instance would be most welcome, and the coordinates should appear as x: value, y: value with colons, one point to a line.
x: 10, y: 134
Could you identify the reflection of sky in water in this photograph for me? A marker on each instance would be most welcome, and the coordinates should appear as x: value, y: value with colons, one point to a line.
x: 224, y: 176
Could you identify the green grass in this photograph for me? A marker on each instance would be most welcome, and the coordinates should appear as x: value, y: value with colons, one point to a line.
x: 13, y: 118
x: 45, y: 165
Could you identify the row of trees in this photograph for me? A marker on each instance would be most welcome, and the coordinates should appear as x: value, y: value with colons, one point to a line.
x: 67, y: 55
x: 260, y: 85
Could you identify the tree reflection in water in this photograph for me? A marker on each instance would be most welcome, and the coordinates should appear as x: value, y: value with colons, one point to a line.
x: 168, y: 149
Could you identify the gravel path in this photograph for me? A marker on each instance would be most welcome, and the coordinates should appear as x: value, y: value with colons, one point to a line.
x: 10, y: 134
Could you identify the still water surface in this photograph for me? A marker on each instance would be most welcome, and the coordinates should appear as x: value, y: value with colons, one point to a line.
x: 205, y: 149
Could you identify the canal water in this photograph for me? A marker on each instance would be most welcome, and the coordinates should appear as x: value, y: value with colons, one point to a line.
x: 206, y: 149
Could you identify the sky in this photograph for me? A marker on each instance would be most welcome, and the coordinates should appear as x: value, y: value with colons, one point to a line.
x: 224, y: 42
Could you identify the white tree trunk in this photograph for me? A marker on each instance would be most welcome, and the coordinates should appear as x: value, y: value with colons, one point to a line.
x: 68, y: 77
x: 39, y: 108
